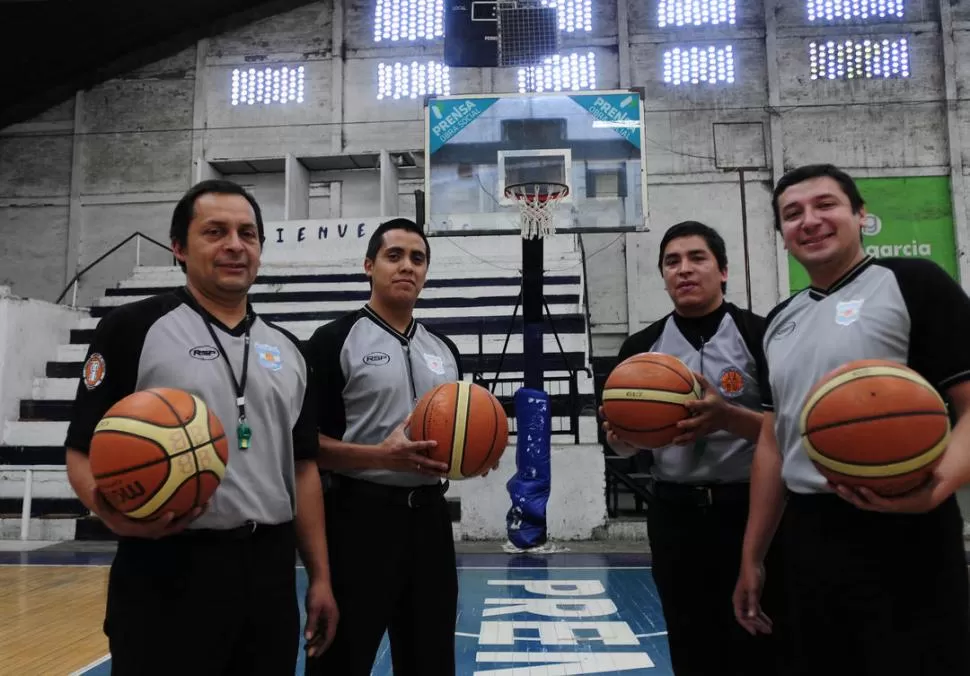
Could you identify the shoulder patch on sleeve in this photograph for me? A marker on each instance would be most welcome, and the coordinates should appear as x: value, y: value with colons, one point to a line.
x: 94, y: 371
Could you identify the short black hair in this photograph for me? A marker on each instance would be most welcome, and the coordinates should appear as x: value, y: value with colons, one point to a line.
x: 377, y: 239
x: 810, y: 171
x: 185, y: 209
x: 689, y: 229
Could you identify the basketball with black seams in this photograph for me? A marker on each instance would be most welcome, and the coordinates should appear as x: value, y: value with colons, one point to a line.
x: 644, y: 398
x: 468, y: 423
x: 875, y: 423
x: 156, y: 451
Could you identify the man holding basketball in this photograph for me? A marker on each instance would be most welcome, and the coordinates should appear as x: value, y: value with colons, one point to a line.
x: 213, y: 592
x: 876, y: 585
x: 700, y: 482
x: 388, y: 524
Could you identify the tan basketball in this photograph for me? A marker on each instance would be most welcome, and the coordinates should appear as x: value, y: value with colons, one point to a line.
x: 156, y: 451
x: 469, y: 424
x: 644, y: 397
x: 875, y: 423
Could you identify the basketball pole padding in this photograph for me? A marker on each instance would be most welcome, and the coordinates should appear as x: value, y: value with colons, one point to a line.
x: 530, y: 485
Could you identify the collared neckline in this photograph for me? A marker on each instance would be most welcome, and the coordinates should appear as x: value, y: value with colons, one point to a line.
x: 851, y: 274
x: 700, y: 330
x: 404, y: 337
x: 239, y: 330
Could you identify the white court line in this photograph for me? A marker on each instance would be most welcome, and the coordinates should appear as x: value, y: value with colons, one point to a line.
x: 55, y: 565
x: 555, y: 567
x: 106, y: 565
x: 84, y: 670
x: 578, y: 638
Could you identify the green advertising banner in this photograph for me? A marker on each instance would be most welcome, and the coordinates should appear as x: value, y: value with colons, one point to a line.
x: 908, y: 217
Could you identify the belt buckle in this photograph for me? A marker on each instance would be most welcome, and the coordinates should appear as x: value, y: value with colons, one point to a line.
x: 252, y: 526
x: 411, y: 497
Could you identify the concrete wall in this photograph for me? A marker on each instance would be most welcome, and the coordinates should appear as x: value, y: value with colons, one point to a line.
x: 82, y: 176
x: 30, y: 331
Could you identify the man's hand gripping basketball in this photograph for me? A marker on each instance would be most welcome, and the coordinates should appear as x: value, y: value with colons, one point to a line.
x: 399, y: 453
x: 153, y: 529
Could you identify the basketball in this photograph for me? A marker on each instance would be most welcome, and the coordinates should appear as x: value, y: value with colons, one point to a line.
x: 468, y: 423
x: 156, y: 451
x: 644, y: 397
x: 877, y: 424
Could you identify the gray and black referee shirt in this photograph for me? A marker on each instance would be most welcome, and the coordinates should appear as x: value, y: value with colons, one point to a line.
x: 369, y: 377
x: 163, y: 341
x: 907, y: 310
x: 724, y: 346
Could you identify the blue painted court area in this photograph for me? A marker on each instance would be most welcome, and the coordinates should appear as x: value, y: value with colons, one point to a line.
x: 565, y: 614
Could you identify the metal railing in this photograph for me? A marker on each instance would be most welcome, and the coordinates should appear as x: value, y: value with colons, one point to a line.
x: 29, y: 490
x: 137, y: 236
x: 573, y: 406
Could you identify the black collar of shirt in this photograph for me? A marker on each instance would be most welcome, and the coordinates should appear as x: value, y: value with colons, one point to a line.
x: 699, y: 330
x: 816, y: 293
x: 381, y: 322
x: 238, y: 330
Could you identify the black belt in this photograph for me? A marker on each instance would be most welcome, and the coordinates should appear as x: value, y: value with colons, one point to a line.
x: 701, y: 495
x: 249, y: 529
x: 400, y: 496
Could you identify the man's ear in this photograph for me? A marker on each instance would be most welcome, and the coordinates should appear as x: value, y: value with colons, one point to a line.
x: 178, y: 250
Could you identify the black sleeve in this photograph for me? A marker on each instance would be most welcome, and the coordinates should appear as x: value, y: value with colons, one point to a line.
x: 305, y: 442
x: 449, y: 343
x: 322, y: 353
x: 109, y: 374
x: 939, y: 312
x: 752, y: 329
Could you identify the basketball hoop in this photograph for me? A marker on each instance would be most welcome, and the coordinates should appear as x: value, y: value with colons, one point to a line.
x: 537, y: 203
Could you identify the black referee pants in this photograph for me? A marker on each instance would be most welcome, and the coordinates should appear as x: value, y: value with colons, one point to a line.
x: 393, y: 569
x: 696, y: 552
x: 204, y: 604
x: 876, y: 594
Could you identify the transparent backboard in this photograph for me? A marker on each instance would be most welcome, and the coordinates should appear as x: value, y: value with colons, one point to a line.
x: 592, y: 142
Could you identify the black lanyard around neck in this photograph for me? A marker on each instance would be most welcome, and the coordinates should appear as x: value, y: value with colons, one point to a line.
x: 243, y: 431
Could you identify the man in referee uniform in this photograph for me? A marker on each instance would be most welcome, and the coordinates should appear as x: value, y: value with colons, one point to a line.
x: 700, y: 483
x: 877, y: 585
x: 212, y: 593
x: 391, y: 545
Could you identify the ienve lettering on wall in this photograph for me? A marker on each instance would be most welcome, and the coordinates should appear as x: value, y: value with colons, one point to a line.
x: 318, y: 240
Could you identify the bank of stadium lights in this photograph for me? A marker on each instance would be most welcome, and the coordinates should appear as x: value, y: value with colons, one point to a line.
x: 267, y: 85
x: 412, y: 80
x: 695, y: 12
x: 697, y: 65
x: 841, y: 10
x: 572, y: 72
x: 851, y: 59
x: 573, y: 15
x: 398, y: 20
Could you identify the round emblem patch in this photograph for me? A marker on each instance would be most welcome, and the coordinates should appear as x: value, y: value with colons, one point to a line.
x: 731, y: 382
x: 93, y: 374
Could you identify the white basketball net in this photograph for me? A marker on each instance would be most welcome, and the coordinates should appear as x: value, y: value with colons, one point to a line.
x: 537, y: 204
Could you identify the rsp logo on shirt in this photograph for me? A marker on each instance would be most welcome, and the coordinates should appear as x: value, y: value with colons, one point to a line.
x: 377, y: 359
x: 204, y: 352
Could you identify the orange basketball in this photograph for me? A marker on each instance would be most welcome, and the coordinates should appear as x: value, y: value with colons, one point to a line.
x: 875, y: 423
x: 644, y: 396
x: 468, y: 423
x: 157, y: 451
